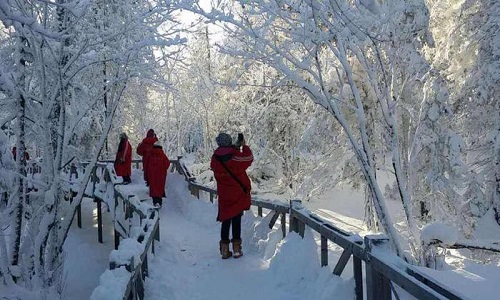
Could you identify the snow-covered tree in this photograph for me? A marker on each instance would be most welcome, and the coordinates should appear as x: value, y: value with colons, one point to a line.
x: 68, y: 65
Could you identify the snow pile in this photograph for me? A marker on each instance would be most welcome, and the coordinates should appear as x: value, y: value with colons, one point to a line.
x: 260, y: 238
x: 295, y: 267
x: 199, y: 211
x: 112, y: 283
x: 439, y: 232
x: 128, y: 249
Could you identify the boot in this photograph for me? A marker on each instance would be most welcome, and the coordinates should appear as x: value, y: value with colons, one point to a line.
x: 224, y: 249
x: 237, y: 248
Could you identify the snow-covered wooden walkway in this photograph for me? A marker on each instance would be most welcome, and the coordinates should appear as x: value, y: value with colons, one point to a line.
x: 188, y: 264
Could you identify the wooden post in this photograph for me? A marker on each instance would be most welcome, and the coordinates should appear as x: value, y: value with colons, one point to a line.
x: 324, y: 251
x: 294, y: 222
x: 78, y: 209
x: 144, y: 267
x: 117, y: 239
x: 283, y: 224
x: 211, y: 198
x: 79, y: 215
x: 117, y: 234
x: 378, y: 287
x: 358, y: 277
x: 344, y: 258
x: 99, y: 219
x: 259, y: 211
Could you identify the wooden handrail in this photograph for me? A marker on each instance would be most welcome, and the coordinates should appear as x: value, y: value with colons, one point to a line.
x: 380, y: 273
x: 148, y: 233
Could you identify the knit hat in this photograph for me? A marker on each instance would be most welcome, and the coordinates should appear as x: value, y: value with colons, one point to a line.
x: 151, y: 133
x: 224, y: 140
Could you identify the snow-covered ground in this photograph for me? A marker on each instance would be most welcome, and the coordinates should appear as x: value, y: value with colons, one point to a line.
x: 187, y: 263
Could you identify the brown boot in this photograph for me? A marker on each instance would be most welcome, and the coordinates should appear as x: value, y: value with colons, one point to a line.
x: 237, y: 248
x: 224, y: 249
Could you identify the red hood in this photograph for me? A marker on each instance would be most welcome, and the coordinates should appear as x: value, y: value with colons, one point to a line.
x: 150, y: 140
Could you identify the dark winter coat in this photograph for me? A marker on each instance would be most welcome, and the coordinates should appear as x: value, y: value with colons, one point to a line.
x: 123, y: 159
x: 14, y: 153
x: 233, y: 198
x: 143, y: 150
x: 157, y: 171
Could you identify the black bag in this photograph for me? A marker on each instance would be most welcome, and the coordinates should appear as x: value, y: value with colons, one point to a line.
x: 243, y: 187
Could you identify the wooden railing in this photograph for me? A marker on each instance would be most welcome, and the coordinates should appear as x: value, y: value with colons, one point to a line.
x: 381, y: 272
x: 136, y: 226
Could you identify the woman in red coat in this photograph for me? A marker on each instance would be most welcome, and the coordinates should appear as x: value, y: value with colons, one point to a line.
x: 143, y: 150
x: 229, y: 164
x: 123, y: 159
x: 158, y: 164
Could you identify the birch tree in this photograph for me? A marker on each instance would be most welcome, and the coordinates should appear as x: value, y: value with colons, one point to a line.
x: 334, y: 51
x: 55, y: 78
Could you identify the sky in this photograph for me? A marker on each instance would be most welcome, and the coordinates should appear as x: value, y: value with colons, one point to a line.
x: 187, y: 263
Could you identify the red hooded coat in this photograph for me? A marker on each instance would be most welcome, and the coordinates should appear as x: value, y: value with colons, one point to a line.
x: 123, y: 159
x: 144, y: 148
x: 157, y: 171
x: 233, y: 199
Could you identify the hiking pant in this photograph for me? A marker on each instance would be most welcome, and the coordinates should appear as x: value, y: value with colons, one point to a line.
x: 235, y: 224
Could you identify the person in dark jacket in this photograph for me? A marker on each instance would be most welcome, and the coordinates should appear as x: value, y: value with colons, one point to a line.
x: 157, y: 173
x: 229, y: 164
x: 143, y: 150
x: 14, y: 154
x: 123, y: 159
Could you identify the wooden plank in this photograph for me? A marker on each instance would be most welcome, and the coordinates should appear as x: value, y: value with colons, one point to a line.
x: 434, y: 285
x: 344, y: 258
x: 377, y: 286
x: 121, y: 229
x: 405, y: 281
x: 273, y: 220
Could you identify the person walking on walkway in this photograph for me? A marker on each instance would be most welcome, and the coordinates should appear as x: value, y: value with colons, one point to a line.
x: 229, y: 164
x: 123, y: 159
x: 143, y: 150
x: 158, y: 164
x: 14, y: 154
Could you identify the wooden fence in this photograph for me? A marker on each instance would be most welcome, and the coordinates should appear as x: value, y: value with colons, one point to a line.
x: 135, y: 223
x: 382, y: 273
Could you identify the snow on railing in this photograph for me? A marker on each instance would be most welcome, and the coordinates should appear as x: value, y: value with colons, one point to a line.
x: 383, y: 271
x: 136, y: 227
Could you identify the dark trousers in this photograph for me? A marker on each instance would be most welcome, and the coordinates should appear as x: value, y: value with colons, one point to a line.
x: 158, y: 200
x: 235, y: 224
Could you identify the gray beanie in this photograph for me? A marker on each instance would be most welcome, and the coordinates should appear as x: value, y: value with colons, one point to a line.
x: 224, y: 140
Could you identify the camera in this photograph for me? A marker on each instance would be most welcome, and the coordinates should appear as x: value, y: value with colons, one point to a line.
x: 240, y: 140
